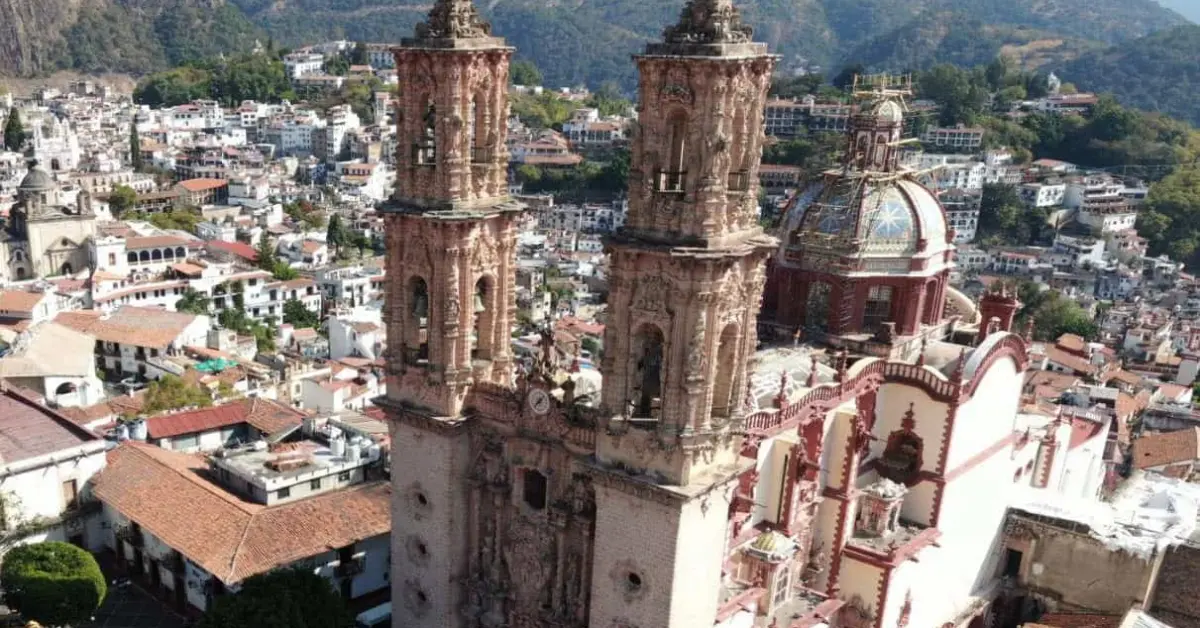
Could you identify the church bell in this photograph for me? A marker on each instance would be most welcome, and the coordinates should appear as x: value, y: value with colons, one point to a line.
x: 421, y: 306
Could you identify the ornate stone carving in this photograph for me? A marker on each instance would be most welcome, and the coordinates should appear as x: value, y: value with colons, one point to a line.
x: 651, y: 293
x: 697, y: 348
x: 528, y: 555
x: 677, y: 86
x: 708, y: 22
x: 453, y: 19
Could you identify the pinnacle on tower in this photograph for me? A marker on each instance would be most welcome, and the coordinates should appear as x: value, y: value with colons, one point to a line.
x: 453, y: 19
x: 708, y: 22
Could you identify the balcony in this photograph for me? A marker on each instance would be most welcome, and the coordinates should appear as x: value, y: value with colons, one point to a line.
x: 670, y: 182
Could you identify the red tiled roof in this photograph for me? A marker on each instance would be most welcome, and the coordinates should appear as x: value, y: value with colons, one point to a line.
x: 1069, y: 360
x: 264, y: 415
x: 1072, y: 343
x: 1164, y: 448
x: 200, y: 185
x: 155, y: 242
x: 20, y: 300
x: 165, y: 493
x: 1082, y: 431
x: 130, y: 325
x: 29, y: 429
x: 240, y: 249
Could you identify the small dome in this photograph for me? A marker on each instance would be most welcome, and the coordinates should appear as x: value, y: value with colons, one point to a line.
x: 37, y: 180
x: 773, y: 545
x: 889, y: 111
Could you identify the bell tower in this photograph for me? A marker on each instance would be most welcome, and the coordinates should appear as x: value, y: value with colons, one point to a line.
x: 451, y: 267
x: 686, y: 281
x: 688, y: 267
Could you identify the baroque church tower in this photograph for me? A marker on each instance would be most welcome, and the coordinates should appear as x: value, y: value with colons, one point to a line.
x: 686, y: 279
x: 451, y: 302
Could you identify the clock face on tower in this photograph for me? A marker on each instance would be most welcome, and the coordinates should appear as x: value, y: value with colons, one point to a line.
x: 539, y: 401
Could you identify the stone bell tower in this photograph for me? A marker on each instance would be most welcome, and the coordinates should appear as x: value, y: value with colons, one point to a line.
x: 451, y: 268
x: 686, y: 280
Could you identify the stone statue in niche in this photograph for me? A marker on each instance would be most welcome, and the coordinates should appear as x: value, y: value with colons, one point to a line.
x: 697, y: 353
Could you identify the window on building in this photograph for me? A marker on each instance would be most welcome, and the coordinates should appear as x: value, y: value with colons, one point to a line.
x: 534, y: 489
x: 1012, y: 563
x: 284, y: 492
x: 314, y: 485
x: 187, y: 441
x: 344, y: 476
x: 879, y: 307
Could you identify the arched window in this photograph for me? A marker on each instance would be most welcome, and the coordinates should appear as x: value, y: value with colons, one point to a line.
x: 156, y: 255
x: 20, y: 274
x: 648, y: 347
x: 902, y: 458
x: 65, y: 388
x: 19, y: 256
x: 144, y: 256
x: 672, y: 176
x: 180, y: 252
x: 169, y: 253
x: 484, y: 311
x: 878, y: 309
x: 426, y: 148
x: 67, y: 269
x: 723, y: 389
x: 132, y: 256
x: 55, y: 165
x: 816, y: 311
x: 416, y: 331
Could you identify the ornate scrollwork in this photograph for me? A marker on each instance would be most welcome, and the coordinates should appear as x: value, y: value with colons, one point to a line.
x: 708, y: 22
x: 453, y: 19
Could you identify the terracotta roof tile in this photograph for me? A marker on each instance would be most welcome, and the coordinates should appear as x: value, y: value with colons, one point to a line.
x: 240, y: 249
x: 1163, y: 448
x: 20, y: 300
x: 165, y: 493
x: 130, y: 325
x: 1072, y: 343
x: 263, y: 414
x: 156, y: 242
x: 29, y: 429
x: 200, y: 185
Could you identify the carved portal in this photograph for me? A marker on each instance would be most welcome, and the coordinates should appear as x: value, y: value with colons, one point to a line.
x: 531, y: 555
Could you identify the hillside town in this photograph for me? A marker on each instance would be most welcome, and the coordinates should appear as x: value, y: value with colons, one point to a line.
x: 391, y: 348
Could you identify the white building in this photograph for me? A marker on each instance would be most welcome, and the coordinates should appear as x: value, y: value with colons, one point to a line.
x: 357, y: 333
x: 56, y: 362
x: 958, y: 137
x: 300, y: 64
x: 47, y: 463
x: 1043, y: 194
x: 139, y: 340
x: 200, y: 532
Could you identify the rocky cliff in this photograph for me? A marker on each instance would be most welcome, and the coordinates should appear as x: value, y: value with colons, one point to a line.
x: 31, y: 33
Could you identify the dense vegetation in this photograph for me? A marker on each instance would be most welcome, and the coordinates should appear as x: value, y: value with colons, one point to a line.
x: 293, y: 598
x: 118, y: 37
x: 589, y: 43
x: 255, y: 76
x: 53, y: 583
x: 1159, y: 72
x: 962, y: 38
x: 1052, y: 313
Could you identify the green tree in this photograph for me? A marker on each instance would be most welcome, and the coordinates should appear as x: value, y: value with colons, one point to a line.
x: 524, y: 73
x: 266, y: 253
x: 174, y: 87
x: 292, y: 598
x: 14, y: 131
x: 336, y: 234
x: 172, y: 393
x: 845, y: 78
x: 1053, y: 314
x: 192, y: 302
x: 359, y: 55
x: 53, y: 583
x: 135, y: 148
x: 337, y: 65
x: 122, y: 199
x: 297, y: 314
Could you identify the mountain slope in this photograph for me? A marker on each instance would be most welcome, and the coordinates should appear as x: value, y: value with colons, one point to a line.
x: 1158, y: 72
x: 136, y: 36
x: 961, y: 39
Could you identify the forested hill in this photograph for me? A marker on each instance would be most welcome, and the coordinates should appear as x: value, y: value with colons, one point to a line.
x: 1159, y: 72
x: 962, y: 39
x: 572, y: 41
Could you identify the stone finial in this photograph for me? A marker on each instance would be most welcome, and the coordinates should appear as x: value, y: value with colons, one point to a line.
x: 909, y: 422
x: 959, y: 368
x: 708, y: 22
x: 921, y: 354
x: 781, y: 399
x: 812, y: 373
x: 453, y: 19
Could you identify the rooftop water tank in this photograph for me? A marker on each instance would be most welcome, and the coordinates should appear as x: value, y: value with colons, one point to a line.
x: 337, y: 445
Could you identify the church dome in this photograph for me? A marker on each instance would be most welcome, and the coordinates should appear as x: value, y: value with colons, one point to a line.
x: 888, y: 111
x: 892, y: 218
x: 37, y: 180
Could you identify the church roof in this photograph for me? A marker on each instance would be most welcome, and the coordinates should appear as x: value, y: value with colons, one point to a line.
x: 38, y: 180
